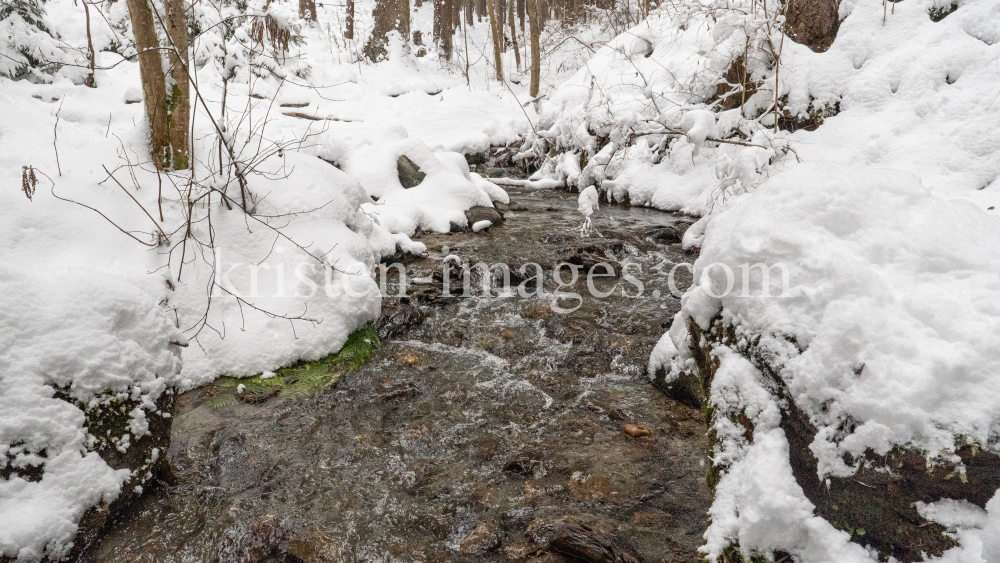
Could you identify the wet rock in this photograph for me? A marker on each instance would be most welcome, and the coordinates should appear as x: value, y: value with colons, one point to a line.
x: 589, y: 487
x: 653, y: 518
x: 813, y: 23
x: 685, y: 389
x: 585, y: 537
x: 398, y: 316
x: 521, y: 550
x: 508, y: 334
x: 476, y: 158
x: 483, y: 213
x: 635, y: 431
x: 410, y: 174
x: 409, y: 358
x: 145, y: 456
x: 484, y: 538
x: 671, y: 234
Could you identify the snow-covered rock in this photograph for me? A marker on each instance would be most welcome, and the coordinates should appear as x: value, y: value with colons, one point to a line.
x: 88, y: 368
x: 866, y: 308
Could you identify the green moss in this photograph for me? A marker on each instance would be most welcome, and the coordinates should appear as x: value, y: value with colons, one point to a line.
x: 301, y: 379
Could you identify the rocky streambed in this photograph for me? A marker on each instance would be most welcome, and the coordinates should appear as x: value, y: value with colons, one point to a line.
x: 488, y: 426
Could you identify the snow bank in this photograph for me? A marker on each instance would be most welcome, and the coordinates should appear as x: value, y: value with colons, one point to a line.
x: 896, y: 89
x: 888, y: 333
x: 95, y: 339
x: 441, y: 198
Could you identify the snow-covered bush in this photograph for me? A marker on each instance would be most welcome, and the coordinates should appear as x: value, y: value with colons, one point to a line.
x: 689, y: 89
x: 27, y: 49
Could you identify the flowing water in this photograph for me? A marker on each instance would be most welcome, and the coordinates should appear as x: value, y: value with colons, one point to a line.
x: 485, y: 429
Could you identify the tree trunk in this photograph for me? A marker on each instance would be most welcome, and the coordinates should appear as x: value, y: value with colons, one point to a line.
x: 307, y: 10
x: 386, y: 15
x: 513, y: 34
x: 179, y: 96
x: 535, y: 49
x: 154, y: 86
x: 480, y: 9
x: 349, y: 32
x: 91, y: 81
x: 501, y: 12
x: 520, y: 13
x: 497, y: 32
x: 469, y: 8
x: 447, y: 29
x: 404, y: 20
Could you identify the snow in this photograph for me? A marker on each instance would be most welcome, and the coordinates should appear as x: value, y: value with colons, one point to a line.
x: 886, y: 332
x: 481, y: 225
x: 89, y: 334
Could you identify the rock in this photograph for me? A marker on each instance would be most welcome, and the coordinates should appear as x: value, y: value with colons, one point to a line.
x: 635, y: 431
x: 589, y: 487
x: 813, y: 23
x: 585, y: 537
x: 407, y: 358
x: 877, y: 501
x: 685, y: 389
x: 476, y: 158
x: 484, y: 538
x: 483, y: 213
x: 507, y: 334
x: 110, y: 421
x: 410, y: 174
x: 520, y: 550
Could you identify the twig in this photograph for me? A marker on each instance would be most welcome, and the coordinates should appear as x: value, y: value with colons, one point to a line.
x: 55, y: 135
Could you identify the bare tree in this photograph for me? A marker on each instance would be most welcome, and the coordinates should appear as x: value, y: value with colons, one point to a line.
x: 307, y: 10
x: 179, y: 96
x: 349, y: 32
x: 91, y: 81
x: 443, y: 28
x: 535, y: 49
x: 386, y: 15
x: 497, y: 32
x: 513, y: 34
x: 154, y: 85
x: 168, y: 109
x: 404, y: 18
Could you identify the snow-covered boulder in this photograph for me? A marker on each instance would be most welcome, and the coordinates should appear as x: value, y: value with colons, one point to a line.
x: 88, y: 367
x: 854, y: 378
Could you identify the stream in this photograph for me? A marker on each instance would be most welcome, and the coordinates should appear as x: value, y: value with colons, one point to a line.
x: 485, y: 428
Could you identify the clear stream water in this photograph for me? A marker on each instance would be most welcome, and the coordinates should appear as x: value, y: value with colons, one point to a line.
x: 484, y: 429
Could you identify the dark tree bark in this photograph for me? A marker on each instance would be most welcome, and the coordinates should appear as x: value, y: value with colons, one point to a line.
x: 349, y: 31
x: 386, y: 15
x: 513, y: 34
x: 307, y: 10
x: 520, y: 13
x: 403, y: 23
x: 813, y: 23
x: 532, y: 13
x: 497, y: 33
